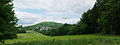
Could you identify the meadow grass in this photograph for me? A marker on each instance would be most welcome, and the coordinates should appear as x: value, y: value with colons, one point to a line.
x: 35, y: 38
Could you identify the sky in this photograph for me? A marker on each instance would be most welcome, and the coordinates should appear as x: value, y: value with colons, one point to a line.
x: 30, y: 12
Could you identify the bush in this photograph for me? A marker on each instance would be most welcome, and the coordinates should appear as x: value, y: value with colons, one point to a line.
x: 21, y: 31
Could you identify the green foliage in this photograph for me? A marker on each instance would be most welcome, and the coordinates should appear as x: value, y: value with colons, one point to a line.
x: 43, y: 24
x: 66, y: 29
x: 109, y: 17
x: 39, y: 39
x: 19, y: 29
x: 7, y: 21
x: 103, y: 18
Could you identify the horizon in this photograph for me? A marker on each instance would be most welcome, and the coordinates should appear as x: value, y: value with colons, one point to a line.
x: 60, y: 11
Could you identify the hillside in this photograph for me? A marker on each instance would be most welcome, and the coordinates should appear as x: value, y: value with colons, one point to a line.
x: 49, y: 25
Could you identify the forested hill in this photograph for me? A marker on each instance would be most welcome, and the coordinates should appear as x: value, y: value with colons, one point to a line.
x: 43, y: 24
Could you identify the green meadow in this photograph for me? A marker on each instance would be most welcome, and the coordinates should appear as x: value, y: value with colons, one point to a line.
x: 35, y: 38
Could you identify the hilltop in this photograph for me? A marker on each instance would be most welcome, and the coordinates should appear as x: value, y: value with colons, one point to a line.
x: 49, y: 25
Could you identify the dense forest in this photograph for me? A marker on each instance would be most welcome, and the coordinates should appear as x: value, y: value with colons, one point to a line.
x: 103, y: 18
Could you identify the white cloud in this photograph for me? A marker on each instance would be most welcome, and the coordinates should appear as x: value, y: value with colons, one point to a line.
x: 27, y: 19
x: 56, y: 6
x: 53, y: 7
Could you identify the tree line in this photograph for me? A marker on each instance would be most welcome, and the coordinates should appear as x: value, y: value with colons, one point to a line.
x: 103, y: 18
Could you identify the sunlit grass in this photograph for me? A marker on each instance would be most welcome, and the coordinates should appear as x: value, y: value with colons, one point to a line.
x: 35, y: 38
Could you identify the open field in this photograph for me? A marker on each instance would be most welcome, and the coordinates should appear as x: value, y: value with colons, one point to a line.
x: 35, y: 38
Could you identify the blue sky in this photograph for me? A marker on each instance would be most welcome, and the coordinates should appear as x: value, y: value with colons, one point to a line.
x: 30, y: 12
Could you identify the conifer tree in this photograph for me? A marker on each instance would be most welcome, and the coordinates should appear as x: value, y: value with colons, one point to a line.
x: 7, y: 20
x: 110, y: 17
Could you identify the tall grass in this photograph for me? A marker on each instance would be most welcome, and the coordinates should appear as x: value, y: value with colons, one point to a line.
x: 35, y: 38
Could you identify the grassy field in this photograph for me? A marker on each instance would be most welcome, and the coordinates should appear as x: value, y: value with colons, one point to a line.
x: 35, y: 38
